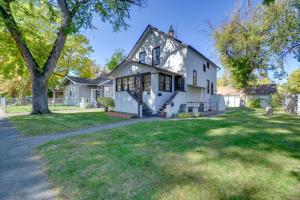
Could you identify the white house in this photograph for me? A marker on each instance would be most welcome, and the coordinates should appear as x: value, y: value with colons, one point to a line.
x: 77, y: 90
x: 236, y: 98
x: 162, y: 75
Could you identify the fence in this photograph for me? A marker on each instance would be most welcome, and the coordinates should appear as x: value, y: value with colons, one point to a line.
x: 291, y: 104
x: 202, y: 106
x: 20, y: 105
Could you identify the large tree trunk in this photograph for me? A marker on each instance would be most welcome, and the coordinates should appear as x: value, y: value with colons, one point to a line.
x: 39, y: 95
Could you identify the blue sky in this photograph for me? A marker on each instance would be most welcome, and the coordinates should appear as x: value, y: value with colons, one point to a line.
x: 189, y: 18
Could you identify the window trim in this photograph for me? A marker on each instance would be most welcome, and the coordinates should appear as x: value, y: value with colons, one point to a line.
x: 194, y: 77
x: 153, y: 57
x: 164, y: 82
x: 142, y: 52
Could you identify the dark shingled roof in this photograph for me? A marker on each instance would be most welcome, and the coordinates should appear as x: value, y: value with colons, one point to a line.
x: 266, y: 89
x: 86, y: 81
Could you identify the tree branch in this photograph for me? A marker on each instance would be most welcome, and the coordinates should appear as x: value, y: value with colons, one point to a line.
x: 60, y: 38
x: 12, y: 27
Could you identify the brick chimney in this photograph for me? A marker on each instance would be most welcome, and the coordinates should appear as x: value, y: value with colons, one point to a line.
x: 171, y: 31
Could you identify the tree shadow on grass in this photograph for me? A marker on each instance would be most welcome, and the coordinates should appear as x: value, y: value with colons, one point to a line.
x: 241, y: 155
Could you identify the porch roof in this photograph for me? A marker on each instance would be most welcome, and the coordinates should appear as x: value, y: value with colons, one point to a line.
x: 127, y: 61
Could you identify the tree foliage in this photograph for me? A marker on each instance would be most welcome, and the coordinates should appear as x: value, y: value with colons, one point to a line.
x: 65, y: 18
x: 293, y: 82
x: 253, y: 42
x: 115, y: 59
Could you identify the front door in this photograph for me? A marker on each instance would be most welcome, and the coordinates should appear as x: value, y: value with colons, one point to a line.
x: 179, y: 83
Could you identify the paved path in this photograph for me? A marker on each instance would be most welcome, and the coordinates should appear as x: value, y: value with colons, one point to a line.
x: 38, y: 140
x: 21, y: 176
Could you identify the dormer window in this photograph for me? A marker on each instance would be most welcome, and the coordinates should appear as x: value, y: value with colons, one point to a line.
x: 156, y: 56
x: 142, y: 57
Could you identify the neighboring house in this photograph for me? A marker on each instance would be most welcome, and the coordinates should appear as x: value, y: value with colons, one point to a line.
x: 162, y: 75
x: 235, y: 98
x: 232, y: 97
x: 78, y: 90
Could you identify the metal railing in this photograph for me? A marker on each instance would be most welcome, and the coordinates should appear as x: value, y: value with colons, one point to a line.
x: 201, y: 106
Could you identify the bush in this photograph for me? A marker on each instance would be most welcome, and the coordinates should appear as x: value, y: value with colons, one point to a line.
x: 106, y: 102
x: 254, y: 103
x: 276, y: 101
x: 185, y: 115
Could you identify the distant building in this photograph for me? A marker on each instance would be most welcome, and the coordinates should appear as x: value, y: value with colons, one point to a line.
x: 78, y: 89
x: 235, y: 98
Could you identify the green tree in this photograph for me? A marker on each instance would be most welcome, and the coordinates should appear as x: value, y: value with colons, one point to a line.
x: 255, y: 41
x: 293, y: 82
x: 66, y: 17
x: 115, y: 59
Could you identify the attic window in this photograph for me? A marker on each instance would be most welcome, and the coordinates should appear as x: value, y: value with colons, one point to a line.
x: 207, y: 65
x: 204, y: 67
x: 156, y: 56
x: 142, y: 57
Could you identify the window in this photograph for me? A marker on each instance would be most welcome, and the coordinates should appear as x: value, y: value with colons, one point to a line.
x: 207, y: 87
x: 156, y: 56
x: 190, y: 109
x: 165, y: 82
x: 119, y: 85
x: 211, y: 88
x: 124, y: 83
x: 204, y: 67
x: 207, y: 65
x: 131, y: 83
x: 142, y: 57
x: 147, y: 82
x: 194, y: 77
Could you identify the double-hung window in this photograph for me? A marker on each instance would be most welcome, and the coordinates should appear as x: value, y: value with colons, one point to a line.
x: 142, y: 57
x: 125, y: 83
x: 156, y: 56
x: 194, y: 77
x: 165, y: 83
x: 207, y: 87
x: 147, y: 82
x: 118, y: 84
x: 131, y: 86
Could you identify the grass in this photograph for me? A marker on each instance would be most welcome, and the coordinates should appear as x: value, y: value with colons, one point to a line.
x: 27, y: 108
x: 31, y: 125
x: 239, y: 155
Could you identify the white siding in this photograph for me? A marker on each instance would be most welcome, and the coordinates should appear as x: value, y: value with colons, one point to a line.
x: 125, y: 103
x: 172, y: 54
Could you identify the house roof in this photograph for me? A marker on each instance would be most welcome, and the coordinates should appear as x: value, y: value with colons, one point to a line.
x: 228, y: 91
x: 85, y: 81
x: 265, y: 89
x: 125, y: 61
x: 148, y: 29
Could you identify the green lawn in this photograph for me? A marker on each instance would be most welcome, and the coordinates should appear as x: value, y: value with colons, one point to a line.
x: 27, y: 108
x: 32, y: 125
x: 239, y: 155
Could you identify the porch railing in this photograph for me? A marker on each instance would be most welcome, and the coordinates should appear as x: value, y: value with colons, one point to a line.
x: 201, y: 106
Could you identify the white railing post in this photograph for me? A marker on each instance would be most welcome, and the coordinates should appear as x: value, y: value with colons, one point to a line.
x: 3, y: 104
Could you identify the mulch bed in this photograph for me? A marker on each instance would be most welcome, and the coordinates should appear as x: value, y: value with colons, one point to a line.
x: 121, y: 115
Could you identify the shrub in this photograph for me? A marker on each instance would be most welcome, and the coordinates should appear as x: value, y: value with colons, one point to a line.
x: 254, y: 103
x: 185, y: 115
x: 276, y: 101
x: 106, y: 102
